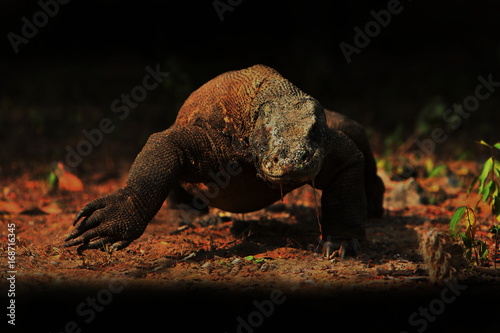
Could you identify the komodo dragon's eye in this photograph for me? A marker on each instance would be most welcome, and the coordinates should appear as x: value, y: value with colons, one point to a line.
x: 306, y: 105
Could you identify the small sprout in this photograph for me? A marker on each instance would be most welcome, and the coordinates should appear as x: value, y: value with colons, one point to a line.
x: 52, y: 181
x: 255, y: 260
x: 455, y: 219
x: 487, y: 185
x: 495, y: 229
x: 438, y: 171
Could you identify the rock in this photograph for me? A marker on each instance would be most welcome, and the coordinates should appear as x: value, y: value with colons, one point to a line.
x: 236, y: 261
x: 404, y: 194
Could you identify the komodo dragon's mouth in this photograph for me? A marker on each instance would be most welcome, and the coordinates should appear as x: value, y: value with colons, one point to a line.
x: 293, y: 172
x: 288, y: 179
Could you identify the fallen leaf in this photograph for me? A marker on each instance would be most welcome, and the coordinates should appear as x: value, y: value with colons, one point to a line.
x: 70, y: 182
x: 31, y: 184
x: 10, y: 207
x: 55, y: 257
x: 52, y: 209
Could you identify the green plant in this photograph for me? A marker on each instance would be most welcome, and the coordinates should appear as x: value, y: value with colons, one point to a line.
x: 476, y: 251
x: 487, y: 184
x: 255, y: 260
x: 434, y: 170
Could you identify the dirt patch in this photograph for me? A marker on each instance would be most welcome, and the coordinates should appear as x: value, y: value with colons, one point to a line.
x: 250, y: 254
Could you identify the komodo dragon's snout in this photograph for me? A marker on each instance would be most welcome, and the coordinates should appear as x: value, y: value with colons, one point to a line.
x: 288, y: 140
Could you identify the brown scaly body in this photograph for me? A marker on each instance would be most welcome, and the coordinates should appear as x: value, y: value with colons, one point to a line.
x: 272, y: 136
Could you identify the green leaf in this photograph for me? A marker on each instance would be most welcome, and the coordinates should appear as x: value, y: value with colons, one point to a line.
x: 483, y: 250
x: 497, y: 145
x: 496, y: 208
x: 482, y: 142
x: 493, y: 193
x: 252, y: 258
x: 455, y: 219
x: 485, y: 171
x: 470, y: 222
x: 467, y: 241
x: 474, y: 181
x: 487, y: 190
x: 52, y: 181
x: 437, y: 170
x: 494, y: 190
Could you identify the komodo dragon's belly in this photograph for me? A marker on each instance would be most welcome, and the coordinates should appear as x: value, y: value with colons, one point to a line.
x: 240, y: 192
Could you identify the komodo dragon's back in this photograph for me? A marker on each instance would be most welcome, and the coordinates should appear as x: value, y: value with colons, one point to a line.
x: 229, y: 101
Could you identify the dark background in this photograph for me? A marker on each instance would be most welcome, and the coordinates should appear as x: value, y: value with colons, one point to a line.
x: 65, y: 78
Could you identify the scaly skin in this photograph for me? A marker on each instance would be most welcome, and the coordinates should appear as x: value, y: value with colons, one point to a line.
x: 277, y: 137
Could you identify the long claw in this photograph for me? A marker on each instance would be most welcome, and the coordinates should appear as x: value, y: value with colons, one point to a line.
x: 341, y: 248
x: 85, y: 237
x: 106, y: 223
x: 74, y: 242
x: 75, y: 233
x: 79, y: 216
x: 72, y: 235
x: 81, y: 248
x: 89, y: 209
x: 120, y: 245
x: 99, y: 243
x: 91, y: 222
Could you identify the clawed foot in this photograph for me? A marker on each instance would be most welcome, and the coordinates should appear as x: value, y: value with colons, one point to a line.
x: 109, y: 223
x: 341, y: 248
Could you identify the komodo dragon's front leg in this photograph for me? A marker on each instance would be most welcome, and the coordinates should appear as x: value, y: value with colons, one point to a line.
x: 343, y: 201
x: 119, y: 218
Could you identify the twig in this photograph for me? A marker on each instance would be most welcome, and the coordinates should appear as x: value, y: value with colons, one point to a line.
x: 486, y: 270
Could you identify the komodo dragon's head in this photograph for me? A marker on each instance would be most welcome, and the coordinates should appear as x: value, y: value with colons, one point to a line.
x: 288, y: 139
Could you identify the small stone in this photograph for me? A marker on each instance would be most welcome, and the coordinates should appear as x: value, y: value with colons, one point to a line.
x: 404, y: 194
x: 265, y: 267
x: 236, y: 261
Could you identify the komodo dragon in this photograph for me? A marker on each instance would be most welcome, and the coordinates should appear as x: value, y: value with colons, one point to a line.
x: 274, y: 137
